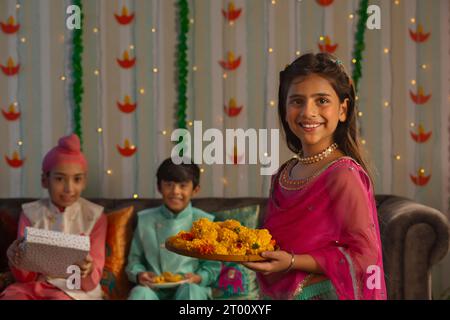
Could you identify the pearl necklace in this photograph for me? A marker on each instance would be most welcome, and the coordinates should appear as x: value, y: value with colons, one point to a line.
x: 316, y: 158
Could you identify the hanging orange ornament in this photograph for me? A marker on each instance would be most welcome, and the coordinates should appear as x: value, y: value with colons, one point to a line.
x: 128, y: 149
x: 126, y: 106
x: 10, y: 27
x: 420, y: 97
x: 231, y: 63
x: 11, y: 67
x: 126, y: 62
x: 11, y: 114
x: 326, y: 45
x: 419, y: 36
x: 232, y: 14
x: 420, y: 136
x: 124, y: 18
x: 324, y: 3
x: 14, y: 161
x: 420, y: 179
x: 232, y: 110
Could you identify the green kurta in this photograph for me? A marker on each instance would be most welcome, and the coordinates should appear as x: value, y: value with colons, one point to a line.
x: 147, y: 252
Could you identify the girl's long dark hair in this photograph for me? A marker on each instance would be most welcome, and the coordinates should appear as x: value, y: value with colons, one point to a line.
x: 330, y: 68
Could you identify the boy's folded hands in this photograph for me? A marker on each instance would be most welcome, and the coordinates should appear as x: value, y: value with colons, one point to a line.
x: 193, y: 278
x: 146, y: 278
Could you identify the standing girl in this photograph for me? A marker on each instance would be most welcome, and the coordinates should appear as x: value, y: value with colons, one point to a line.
x: 321, y: 209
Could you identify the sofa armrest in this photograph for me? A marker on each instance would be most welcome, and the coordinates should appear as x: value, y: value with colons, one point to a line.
x: 415, y: 237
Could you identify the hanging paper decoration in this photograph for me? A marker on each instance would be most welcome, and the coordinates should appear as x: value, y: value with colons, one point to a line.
x: 420, y: 179
x: 10, y: 27
x: 11, y: 67
x: 232, y: 110
x: 419, y: 36
x: 232, y: 14
x: 126, y: 62
x: 125, y: 18
x: 359, y: 45
x: 11, y: 114
x: 77, y: 73
x: 324, y: 3
x: 126, y: 106
x: 420, y: 136
x: 128, y: 149
x: 420, y: 97
x: 182, y: 61
x: 326, y: 46
x: 14, y: 161
x: 231, y: 63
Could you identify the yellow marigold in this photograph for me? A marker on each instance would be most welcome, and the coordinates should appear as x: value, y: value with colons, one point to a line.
x: 226, y: 235
x: 247, y: 236
x: 264, y: 237
x: 220, y: 248
x: 230, y: 224
x: 204, y: 229
x: 237, y: 249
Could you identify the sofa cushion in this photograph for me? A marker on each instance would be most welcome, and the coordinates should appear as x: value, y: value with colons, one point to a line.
x: 236, y: 281
x: 114, y: 283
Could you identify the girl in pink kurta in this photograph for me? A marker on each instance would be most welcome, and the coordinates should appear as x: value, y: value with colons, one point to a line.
x: 321, y: 209
x: 64, y: 175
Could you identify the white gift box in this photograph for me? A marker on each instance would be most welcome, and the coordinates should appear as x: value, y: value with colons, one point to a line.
x: 52, y: 252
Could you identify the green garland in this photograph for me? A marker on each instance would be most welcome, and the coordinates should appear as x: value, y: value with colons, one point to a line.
x: 77, y: 73
x: 359, y: 41
x: 182, y: 61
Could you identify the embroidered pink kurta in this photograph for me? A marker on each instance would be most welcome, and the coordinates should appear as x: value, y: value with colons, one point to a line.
x: 30, y: 286
x: 333, y: 218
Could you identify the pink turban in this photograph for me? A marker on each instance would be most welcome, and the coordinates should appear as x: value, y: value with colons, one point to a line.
x: 67, y: 150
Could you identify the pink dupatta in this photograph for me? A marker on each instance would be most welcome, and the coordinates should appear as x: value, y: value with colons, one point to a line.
x: 334, y: 219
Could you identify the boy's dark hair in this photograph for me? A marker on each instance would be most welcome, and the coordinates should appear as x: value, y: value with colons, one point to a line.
x: 330, y: 68
x: 169, y: 171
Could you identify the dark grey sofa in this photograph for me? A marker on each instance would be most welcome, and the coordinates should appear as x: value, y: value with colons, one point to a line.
x: 414, y: 237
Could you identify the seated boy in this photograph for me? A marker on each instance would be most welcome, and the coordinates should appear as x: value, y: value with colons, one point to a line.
x: 149, y: 258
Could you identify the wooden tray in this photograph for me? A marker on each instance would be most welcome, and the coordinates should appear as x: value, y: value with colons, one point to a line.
x: 218, y: 257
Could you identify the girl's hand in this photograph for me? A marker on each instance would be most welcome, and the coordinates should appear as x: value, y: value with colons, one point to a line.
x: 278, y: 261
x: 86, y: 266
x: 15, y: 253
x: 146, y: 278
x: 193, y: 278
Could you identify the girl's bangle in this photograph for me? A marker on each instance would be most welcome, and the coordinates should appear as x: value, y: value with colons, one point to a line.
x: 292, y: 263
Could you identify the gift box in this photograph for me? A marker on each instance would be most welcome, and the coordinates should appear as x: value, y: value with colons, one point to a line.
x: 52, y: 252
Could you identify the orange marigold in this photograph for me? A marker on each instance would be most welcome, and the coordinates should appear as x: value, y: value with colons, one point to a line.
x: 206, y: 249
